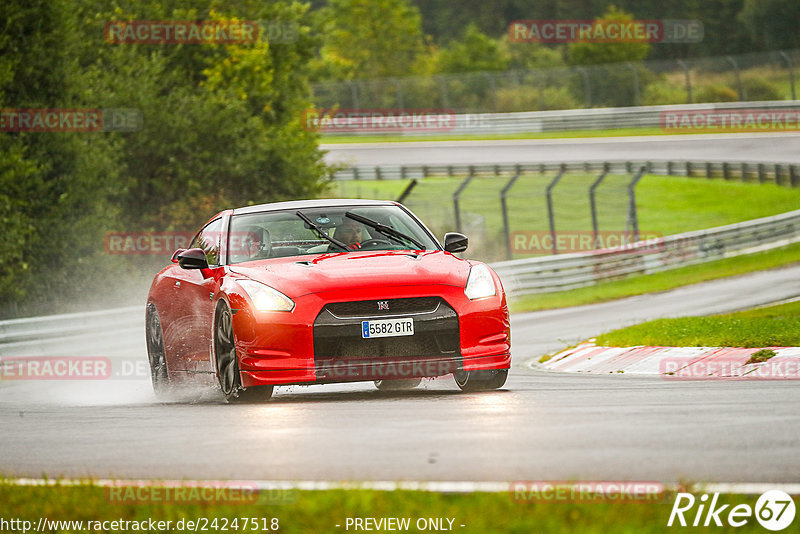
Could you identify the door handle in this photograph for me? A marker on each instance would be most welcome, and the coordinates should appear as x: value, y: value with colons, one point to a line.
x: 178, y: 283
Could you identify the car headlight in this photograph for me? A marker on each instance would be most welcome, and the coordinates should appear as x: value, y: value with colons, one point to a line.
x: 265, y: 298
x: 480, y: 283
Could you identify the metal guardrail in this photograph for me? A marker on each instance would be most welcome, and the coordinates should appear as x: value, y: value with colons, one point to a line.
x: 58, y: 326
x: 570, y: 271
x: 572, y: 119
x: 787, y: 174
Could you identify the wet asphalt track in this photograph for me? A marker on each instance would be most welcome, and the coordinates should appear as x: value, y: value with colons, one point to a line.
x: 540, y: 426
x: 770, y: 148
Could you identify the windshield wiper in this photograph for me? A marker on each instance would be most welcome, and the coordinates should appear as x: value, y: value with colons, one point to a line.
x: 321, y: 232
x: 388, y: 231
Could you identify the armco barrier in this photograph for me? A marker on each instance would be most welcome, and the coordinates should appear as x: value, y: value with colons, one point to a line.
x: 576, y: 119
x: 569, y: 271
x: 20, y: 336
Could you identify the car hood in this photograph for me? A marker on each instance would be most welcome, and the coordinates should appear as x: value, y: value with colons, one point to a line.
x: 301, y: 275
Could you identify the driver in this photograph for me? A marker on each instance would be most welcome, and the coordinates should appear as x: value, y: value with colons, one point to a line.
x: 351, y: 233
x: 256, y: 243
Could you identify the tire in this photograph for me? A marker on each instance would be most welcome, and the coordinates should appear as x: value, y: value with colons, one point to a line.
x: 397, y: 385
x: 227, y: 363
x: 480, y: 380
x: 154, y: 338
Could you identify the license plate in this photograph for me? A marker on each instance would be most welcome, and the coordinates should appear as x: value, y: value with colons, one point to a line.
x: 387, y: 328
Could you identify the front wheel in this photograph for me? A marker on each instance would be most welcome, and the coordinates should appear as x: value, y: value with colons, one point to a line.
x: 480, y: 380
x: 230, y: 380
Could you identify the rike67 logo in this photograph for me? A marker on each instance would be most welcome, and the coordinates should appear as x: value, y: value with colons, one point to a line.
x: 774, y: 510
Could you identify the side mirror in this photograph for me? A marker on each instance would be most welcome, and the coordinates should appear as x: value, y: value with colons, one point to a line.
x: 194, y: 258
x: 455, y: 242
x: 175, y: 254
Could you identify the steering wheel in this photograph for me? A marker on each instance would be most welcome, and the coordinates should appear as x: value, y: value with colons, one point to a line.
x: 372, y: 242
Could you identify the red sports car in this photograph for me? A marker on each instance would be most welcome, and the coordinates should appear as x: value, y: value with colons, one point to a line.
x: 325, y: 291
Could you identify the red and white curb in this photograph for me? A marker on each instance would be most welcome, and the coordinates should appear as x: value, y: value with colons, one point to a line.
x: 688, y: 363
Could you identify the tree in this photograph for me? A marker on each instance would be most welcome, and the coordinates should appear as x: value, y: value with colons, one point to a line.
x: 369, y: 39
x: 772, y: 23
x: 474, y: 51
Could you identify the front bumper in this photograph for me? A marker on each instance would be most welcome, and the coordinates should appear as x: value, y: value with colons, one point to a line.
x: 320, y: 341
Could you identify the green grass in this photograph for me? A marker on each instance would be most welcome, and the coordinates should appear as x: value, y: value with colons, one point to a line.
x: 663, y: 281
x: 773, y: 326
x: 564, y: 134
x: 666, y: 205
x: 321, y: 511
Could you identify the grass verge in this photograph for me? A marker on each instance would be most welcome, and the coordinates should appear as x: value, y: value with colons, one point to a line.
x: 322, y: 511
x: 663, y: 281
x: 772, y: 326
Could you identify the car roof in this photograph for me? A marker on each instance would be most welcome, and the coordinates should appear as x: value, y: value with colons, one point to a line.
x: 322, y: 203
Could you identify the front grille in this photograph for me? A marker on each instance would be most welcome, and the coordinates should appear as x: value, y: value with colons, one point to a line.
x: 338, y: 337
x: 370, y: 308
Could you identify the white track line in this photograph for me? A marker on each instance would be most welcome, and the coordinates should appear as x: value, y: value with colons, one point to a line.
x: 739, y: 488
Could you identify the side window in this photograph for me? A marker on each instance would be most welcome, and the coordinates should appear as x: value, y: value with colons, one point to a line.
x: 209, y: 240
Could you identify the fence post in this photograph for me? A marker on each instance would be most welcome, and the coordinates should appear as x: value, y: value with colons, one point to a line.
x: 633, y: 217
x: 587, y: 88
x: 761, y: 176
x: 407, y: 191
x: 445, y: 95
x: 504, y: 210
x: 399, y: 92
x: 354, y: 94
x: 688, y: 76
x: 738, y: 77
x: 793, y: 175
x: 550, y: 215
x: 493, y: 85
x: 789, y: 66
x: 593, y: 205
x: 636, y: 98
x: 463, y: 185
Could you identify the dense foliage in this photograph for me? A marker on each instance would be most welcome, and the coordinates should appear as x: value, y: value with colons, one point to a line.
x: 221, y: 127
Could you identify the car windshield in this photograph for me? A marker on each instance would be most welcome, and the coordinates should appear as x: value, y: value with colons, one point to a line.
x: 275, y: 234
